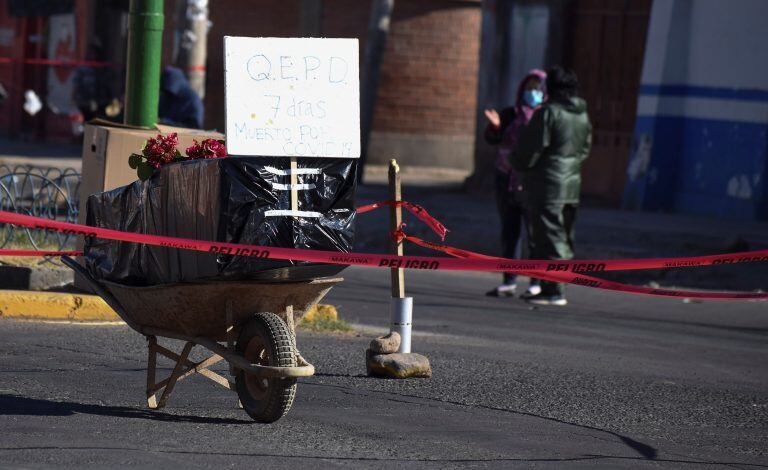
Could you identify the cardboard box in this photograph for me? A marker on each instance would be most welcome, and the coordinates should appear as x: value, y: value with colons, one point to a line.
x: 107, y: 146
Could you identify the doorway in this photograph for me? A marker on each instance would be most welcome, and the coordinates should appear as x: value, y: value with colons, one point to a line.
x: 605, y: 46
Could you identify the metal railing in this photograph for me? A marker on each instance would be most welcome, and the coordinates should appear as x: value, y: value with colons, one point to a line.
x: 51, y: 193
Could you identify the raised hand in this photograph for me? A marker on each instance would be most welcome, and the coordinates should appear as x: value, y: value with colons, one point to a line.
x: 493, y: 117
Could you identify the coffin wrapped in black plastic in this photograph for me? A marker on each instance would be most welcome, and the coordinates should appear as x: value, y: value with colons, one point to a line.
x: 239, y: 200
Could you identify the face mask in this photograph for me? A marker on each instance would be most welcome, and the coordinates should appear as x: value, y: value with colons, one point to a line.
x: 533, y: 98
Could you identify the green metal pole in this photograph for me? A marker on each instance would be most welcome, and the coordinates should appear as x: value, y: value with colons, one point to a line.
x: 142, y: 78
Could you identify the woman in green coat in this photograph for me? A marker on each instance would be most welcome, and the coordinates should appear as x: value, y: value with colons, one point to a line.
x: 550, y: 151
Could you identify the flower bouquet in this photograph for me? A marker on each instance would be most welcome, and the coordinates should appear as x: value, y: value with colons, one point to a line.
x: 162, y: 150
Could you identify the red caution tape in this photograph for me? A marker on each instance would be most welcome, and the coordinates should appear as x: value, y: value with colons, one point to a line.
x: 400, y: 235
x: 57, y: 62
x: 585, y: 280
x: 570, y: 271
x: 39, y: 253
x: 415, y: 209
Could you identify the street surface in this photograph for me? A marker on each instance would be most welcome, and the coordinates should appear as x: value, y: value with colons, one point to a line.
x: 611, y: 381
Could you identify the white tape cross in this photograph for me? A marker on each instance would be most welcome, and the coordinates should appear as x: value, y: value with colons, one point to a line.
x: 299, y: 171
x: 288, y: 187
x: 289, y: 213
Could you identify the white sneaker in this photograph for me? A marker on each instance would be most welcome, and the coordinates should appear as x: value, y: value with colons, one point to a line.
x: 543, y: 299
x: 533, y: 291
x: 504, y: 290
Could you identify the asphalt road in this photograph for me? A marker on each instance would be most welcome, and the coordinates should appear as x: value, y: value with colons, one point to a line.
x: 611, y: 381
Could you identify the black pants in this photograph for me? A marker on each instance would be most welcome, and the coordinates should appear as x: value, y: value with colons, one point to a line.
x: 552, y: 238
x: 512, y: 215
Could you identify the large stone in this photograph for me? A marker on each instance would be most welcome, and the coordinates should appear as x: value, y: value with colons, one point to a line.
x: 386, y: 344
x: 397, y: 366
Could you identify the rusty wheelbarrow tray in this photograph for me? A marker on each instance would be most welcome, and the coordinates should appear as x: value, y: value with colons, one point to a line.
x: 256, y: 320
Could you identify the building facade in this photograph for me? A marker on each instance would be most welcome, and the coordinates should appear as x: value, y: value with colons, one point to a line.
x: 424, y: 113
x: 701, y: 136
x: 42, y: 44
x: 602, y: 40
x: 677, y: 96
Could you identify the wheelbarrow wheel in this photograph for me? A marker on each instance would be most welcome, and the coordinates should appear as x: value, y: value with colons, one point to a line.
x: 266, y: 340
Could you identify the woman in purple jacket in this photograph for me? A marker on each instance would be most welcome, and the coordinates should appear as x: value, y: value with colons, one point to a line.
x: 503, y: 130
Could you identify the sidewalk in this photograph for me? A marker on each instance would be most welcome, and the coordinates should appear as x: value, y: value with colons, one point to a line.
x: 39, y: 154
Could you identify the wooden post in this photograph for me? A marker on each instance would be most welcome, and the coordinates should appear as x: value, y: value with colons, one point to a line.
x: 294, y: 185
x: 395, y: 220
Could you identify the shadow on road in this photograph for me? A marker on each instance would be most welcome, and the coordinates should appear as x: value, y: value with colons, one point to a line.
x: 646, y: 451
x: 17, y: 405
x: 23, y: 406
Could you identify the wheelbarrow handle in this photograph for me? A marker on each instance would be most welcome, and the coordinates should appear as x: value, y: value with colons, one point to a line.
x: 303, y: 369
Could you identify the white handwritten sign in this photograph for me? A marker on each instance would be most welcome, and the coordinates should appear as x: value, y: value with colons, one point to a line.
x: 292, y: 97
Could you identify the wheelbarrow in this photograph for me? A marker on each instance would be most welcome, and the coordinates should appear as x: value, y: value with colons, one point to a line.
x: 255, y: 320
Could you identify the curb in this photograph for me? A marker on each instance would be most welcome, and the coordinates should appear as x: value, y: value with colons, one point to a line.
x: 54, y: 306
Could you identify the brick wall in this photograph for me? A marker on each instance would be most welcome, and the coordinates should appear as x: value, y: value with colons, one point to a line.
x: 428, y: 77
x: 268, y: 18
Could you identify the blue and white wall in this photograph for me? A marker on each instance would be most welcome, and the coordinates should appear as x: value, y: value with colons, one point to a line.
x: 701, y: 135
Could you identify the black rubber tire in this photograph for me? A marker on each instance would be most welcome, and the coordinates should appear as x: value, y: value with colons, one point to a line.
x: 266, y: 400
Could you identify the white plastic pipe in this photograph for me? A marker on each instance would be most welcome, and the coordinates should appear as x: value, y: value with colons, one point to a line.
x: 401, y: 316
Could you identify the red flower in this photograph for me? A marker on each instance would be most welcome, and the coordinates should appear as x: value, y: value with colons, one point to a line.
x: 161, y: 150
x: 209, y: 148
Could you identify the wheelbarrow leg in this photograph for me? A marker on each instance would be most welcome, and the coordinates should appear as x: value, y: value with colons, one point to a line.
x: 184, y: 368
x: 230, y: 333
x: 231, y: 340
x: 151, y: 368
x: 290, y: 320
x: 167, y: 385
x: 177, y: 371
